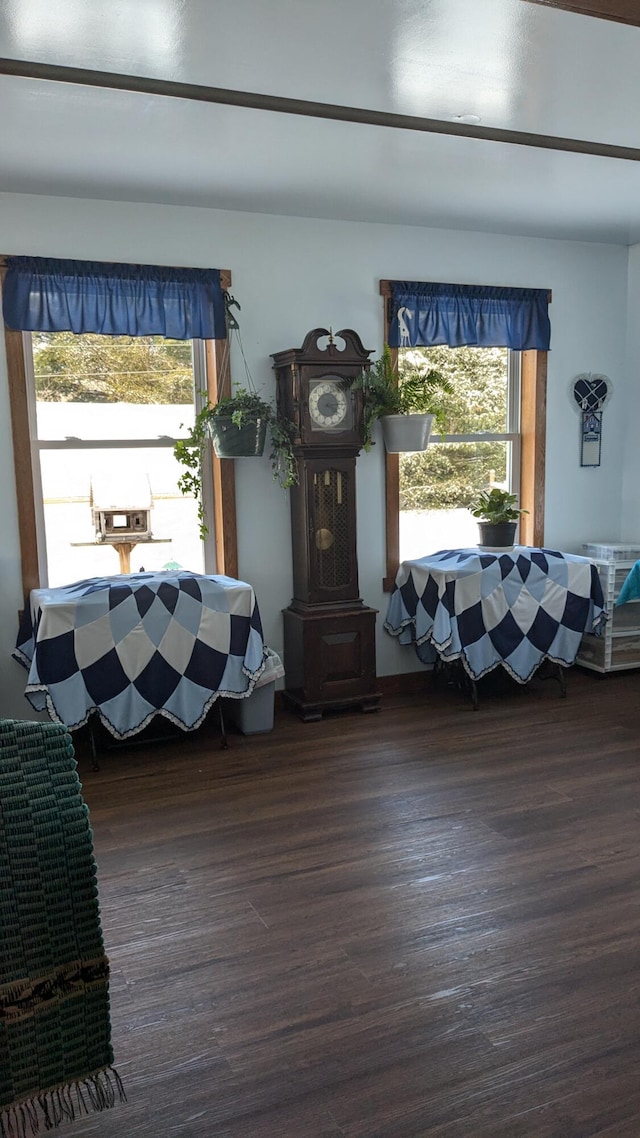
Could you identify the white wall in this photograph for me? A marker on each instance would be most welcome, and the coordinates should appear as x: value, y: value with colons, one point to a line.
x: 294, y: 274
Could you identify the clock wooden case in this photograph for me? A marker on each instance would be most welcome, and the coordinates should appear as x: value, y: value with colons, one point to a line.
x: 329, y: 634
x: 313, y: 388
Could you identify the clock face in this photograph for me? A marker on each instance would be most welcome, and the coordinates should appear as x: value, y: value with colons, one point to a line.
x: 328, y: 404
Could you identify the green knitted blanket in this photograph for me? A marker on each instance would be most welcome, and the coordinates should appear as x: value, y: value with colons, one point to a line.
x: 55, y: 1031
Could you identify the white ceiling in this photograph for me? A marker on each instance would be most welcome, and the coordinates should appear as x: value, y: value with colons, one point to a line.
x: 518, y: 66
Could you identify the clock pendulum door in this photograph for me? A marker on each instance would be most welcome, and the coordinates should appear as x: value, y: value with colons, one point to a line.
x: 329, y: 634
x: 331, y: 528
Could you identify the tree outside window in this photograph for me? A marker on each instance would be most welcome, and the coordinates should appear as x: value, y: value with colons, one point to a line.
x: 481, y: 448
x: 108, y: 410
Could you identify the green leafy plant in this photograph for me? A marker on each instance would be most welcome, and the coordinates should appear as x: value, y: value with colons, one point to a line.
x: 243, y: 407
x: 496, y: 506
x: 283, y: 464
x: 410, y: 390
x: 189, y: 452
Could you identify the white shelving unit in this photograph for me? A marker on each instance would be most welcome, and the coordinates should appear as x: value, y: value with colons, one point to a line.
x: 619, y: 645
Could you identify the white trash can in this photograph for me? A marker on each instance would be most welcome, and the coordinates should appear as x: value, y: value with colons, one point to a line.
x: 254, y: 715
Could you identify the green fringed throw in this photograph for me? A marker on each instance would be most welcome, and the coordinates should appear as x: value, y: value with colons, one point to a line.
x: 55, y: 1030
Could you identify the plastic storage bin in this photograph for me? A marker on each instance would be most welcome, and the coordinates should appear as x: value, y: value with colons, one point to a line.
x: 618, y: 647
x: 612, y: 550
x: 254, y: 715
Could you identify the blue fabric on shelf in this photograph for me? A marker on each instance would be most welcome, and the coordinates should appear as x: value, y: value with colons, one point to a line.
x: 630, y: 590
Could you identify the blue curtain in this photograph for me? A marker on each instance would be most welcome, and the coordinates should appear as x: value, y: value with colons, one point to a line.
x: 484, y: 315
x: 46, y: 295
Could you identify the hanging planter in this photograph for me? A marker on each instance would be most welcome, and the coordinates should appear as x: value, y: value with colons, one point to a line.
x: 406, y: 432
x: 407, y: 403
x: 233, y: 441
x: 237, y: 426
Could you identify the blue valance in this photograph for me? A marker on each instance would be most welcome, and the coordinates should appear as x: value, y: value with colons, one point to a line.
x: 42, y: 294
x: 487, y: 316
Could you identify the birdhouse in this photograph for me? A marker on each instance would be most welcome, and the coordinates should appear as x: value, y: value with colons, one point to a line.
x: 121, y: 507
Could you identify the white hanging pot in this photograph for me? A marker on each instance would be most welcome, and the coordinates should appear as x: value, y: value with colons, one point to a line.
x: 406, y: 432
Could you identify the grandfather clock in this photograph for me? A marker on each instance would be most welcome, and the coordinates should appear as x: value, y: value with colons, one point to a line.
x: 329, y: 634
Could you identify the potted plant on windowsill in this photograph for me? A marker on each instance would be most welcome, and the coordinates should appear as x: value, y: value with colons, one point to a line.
x: 407, y: 403
x: 499, y: 516
x: 237, y: 425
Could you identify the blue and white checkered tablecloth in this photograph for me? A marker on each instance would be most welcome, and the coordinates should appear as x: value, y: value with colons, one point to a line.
x: 487, y: 609
x: 138, y: 645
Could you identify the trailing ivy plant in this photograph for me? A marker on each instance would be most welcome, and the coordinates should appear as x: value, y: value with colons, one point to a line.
x: 243, y: 407
x: 189, y: 452
x: 283, y: 433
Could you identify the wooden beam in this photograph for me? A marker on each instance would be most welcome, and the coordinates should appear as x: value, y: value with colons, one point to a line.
x: 194, y: 92
x: 392, y: 513
x: 222, y: 469
x: 533, y: 434
x: 622, y: 11
x: 23, y: 460
x: 391, y: 475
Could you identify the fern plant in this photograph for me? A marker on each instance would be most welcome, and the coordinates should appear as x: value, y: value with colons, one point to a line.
x: 408, y: 391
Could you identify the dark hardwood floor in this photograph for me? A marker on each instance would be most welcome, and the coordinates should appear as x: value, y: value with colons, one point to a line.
x: 419, y: 922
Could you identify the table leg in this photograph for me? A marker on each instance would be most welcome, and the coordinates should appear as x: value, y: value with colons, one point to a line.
x: 224, y: 743
x: 95, y: 766
x: 549, y: 670
x: 458, y: 676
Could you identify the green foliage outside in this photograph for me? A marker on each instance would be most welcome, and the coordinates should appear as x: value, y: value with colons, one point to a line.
x: 148, y: 369
x: 417, y: 388
x: 450, y: 476
x: 151, y: 370
x: 111, y: 369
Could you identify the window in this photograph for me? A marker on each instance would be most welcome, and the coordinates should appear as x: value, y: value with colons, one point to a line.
x: 106, y: 413
x: 481, y: 449
x: 525, y: 395
x: 34, y: 439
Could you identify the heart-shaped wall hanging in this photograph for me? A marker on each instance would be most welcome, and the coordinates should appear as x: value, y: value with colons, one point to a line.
x: 590, y: 393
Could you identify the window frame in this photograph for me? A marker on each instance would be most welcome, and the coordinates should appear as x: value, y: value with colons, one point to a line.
x: 533, y: 412
x: 218, y: 475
